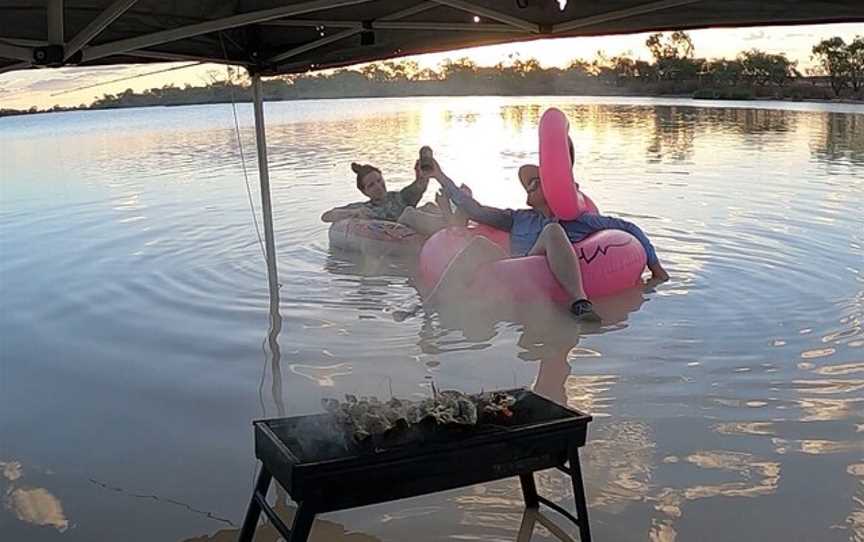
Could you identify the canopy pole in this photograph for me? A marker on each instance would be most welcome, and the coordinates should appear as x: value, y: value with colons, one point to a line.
x: 272, y: 350
x: 264, y: 177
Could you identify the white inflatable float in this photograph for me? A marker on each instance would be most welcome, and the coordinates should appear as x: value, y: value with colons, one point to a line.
x: 378, y: 237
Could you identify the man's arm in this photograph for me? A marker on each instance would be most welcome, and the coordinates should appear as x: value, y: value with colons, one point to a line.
x: 600, y: 222
x: 497, y: 218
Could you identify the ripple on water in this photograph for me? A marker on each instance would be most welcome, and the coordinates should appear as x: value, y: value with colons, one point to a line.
x: 138, y: 260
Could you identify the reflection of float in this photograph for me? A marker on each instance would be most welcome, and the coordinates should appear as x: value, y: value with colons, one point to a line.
x: 611, y: 261
x: 377, y: 237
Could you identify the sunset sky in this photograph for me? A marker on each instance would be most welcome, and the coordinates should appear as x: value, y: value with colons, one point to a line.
x: 23, y: 89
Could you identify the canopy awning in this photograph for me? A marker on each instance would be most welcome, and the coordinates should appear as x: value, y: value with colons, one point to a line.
x: 288, y: 36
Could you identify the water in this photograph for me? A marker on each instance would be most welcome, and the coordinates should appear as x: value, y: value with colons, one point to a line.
x: 728, y: 403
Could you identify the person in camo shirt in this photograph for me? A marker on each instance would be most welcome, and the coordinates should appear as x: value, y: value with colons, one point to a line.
x: 394, y: 205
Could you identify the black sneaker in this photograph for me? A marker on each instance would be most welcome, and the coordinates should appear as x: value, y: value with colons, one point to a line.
x: 584, y: 310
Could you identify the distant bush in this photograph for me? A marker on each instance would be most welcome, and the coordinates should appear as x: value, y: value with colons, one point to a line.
x: 734, y: 93
x: 806, y: 91
x: 675, y: 71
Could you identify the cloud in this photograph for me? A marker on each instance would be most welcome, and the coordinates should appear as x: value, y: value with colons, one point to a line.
x: 42, y: 81
x: 800, y: 35
x: 52, y: 84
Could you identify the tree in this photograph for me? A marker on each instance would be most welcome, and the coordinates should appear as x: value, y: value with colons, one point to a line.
x: 673, y: 55
x: 582, y: 67
x: 626, y: 68
x: 677, y: 45
x: 832, y: 56
x: 526, y: 67
x: 763, y: 68
x: 401, y: 70
x: 724, y: 73
x: 374, y: 73
x: 427, y: 74
x: 460, y: 68
x: 856, y: 63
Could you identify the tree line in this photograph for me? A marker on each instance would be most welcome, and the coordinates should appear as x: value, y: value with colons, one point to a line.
x: 674, y: 69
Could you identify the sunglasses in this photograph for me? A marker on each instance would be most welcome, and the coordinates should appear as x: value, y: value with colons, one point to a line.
x: 532, y: 185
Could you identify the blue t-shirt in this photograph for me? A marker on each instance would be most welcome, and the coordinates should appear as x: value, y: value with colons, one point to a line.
x: 525, y: 225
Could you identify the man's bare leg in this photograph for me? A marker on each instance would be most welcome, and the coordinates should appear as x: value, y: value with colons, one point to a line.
x: 457, y: 218
x: 422, y: 222
x: 554, y: 244
x: 564, y: 264
x: 462, y: 268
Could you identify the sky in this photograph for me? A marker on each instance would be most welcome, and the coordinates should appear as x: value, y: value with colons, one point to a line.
x: 45, y: 88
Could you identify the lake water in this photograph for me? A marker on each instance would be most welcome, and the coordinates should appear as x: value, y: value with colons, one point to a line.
x: 728, y: 402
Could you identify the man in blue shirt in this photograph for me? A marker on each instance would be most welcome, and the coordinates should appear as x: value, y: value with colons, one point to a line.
x: 533, y: 231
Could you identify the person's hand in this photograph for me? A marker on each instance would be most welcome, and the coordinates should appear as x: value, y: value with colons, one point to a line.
x: 658, y: 274
x: 434, y: 172
x: 418, y: 171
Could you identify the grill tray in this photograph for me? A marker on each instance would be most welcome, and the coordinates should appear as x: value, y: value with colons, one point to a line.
x: 315, y: 462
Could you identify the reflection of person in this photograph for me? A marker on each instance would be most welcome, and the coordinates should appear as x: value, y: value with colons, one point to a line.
x: 551, y: 350
x: 533, y: 231
x: 549, y: 338
x: 395, y: 205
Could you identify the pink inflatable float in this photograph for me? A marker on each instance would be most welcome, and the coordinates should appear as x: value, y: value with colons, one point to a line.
x: 556, y: 169
x: 610, y: 260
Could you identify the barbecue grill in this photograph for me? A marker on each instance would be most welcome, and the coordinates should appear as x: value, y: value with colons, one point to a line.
x: 324, y: 471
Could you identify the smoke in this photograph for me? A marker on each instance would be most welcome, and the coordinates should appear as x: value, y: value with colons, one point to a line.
x: 319, y: 438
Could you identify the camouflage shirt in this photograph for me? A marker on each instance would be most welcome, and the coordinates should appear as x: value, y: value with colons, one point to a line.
x: 395, y: 202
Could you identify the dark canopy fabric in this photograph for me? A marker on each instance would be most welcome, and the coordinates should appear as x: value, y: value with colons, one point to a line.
x: 289, y: 36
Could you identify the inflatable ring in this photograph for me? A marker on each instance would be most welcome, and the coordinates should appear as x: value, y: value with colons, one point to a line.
x: 611, y: 261
x: 556, y: 169
x: 379, y: 237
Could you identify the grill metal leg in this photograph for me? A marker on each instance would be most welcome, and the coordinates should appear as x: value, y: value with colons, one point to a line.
x: 529, y: 490
x: 579, y: 494
x: 250, y: 523
x: 302, y: 525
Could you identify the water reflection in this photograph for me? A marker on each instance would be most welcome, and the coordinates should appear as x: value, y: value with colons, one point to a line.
x: 37, y: 506
x: 531, y: 518
x: 673, y: 134
x: 754, y: 348
x: 855, y: 520
x: 757, y: 477
x: 517, y: 116
x: 552, y: 338
x: 354, y: 264
x: 322, y: 530
x: 840, y: 137
x: 33, y: 505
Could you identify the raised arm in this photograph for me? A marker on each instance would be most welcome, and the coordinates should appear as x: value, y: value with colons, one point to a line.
x: 497, y: 218
x: 412, y: 193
